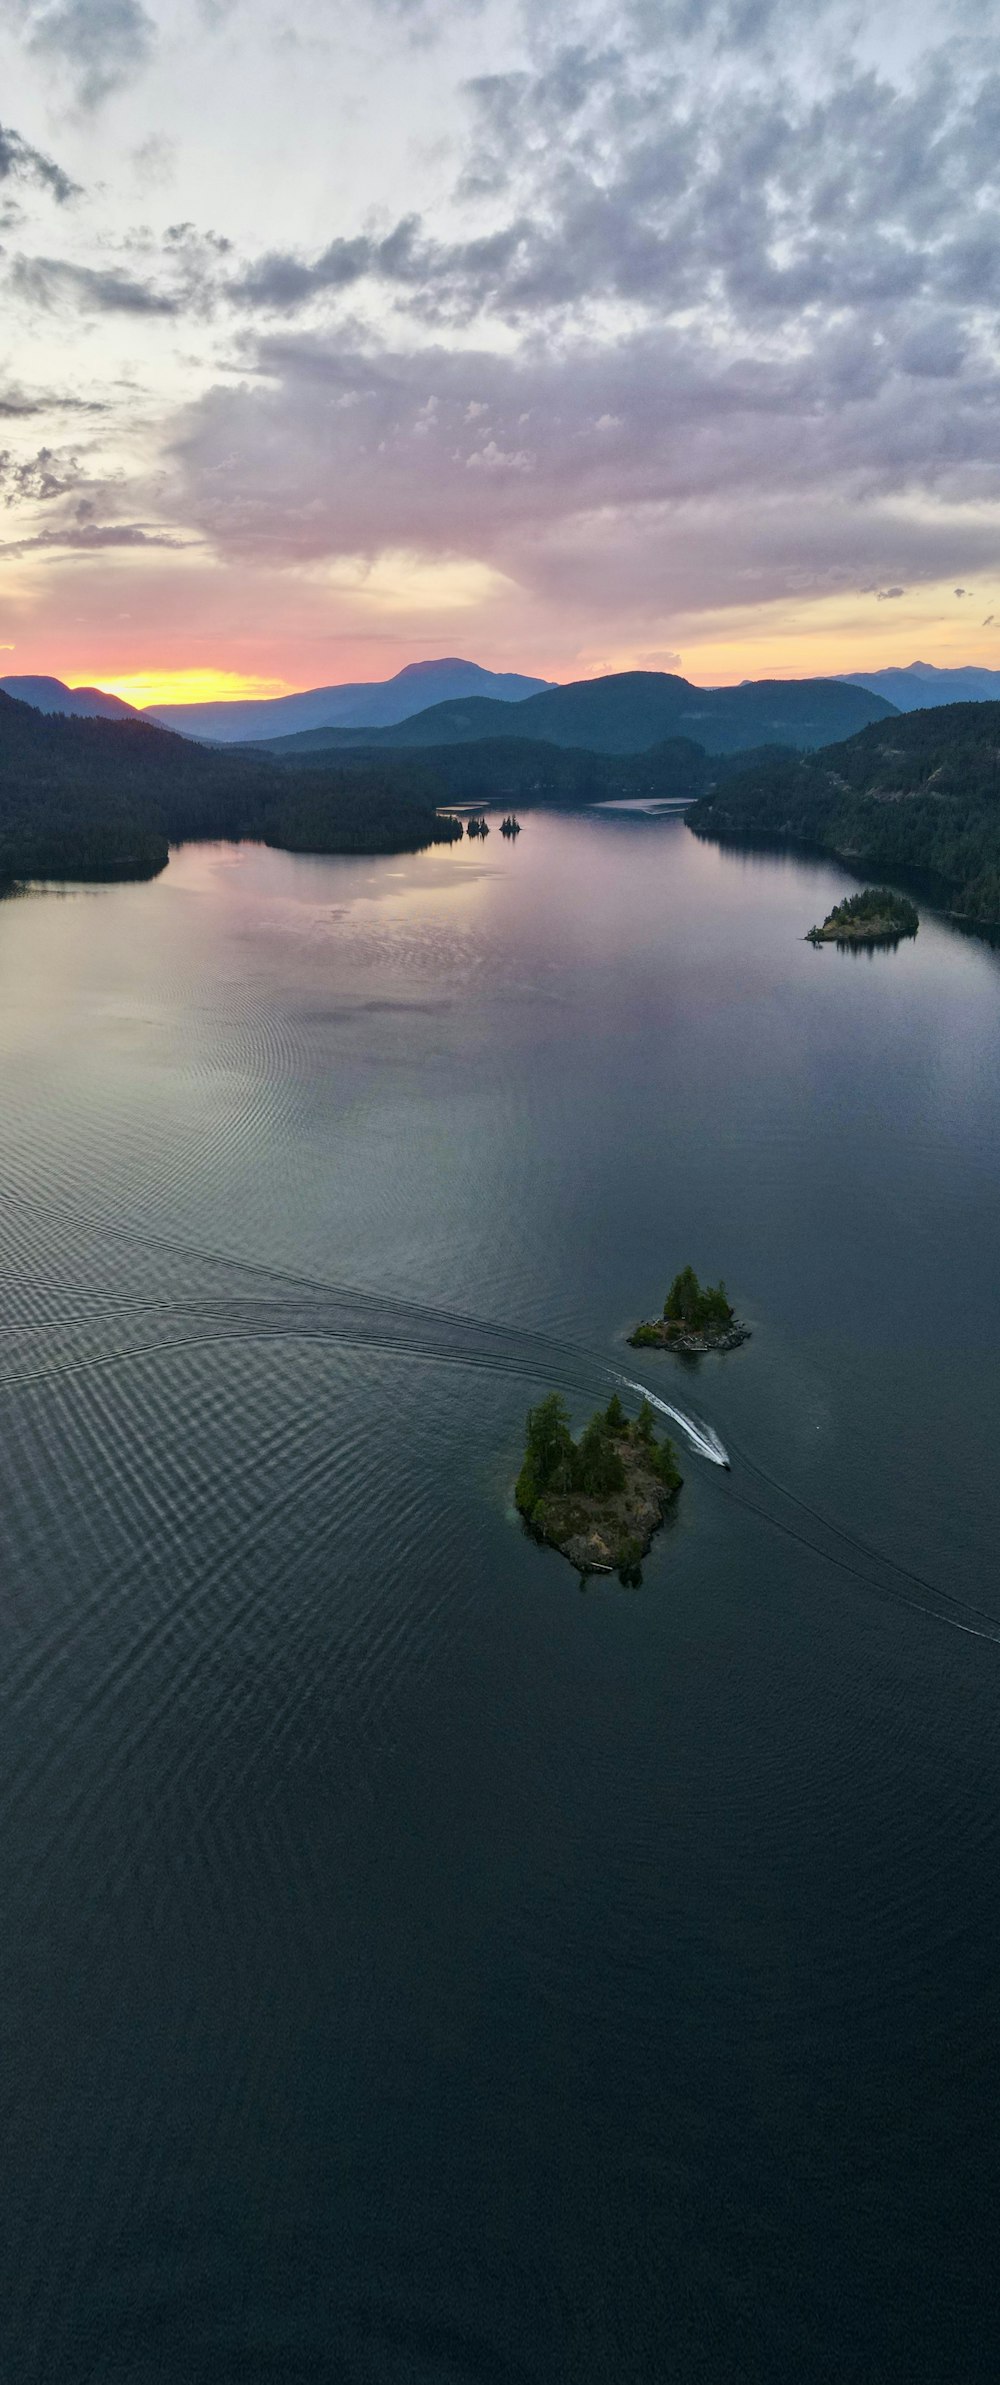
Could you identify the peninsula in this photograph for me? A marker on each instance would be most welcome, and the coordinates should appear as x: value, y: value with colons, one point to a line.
x: 696, y: 1318
x: 875, y: 917
x: 600, y: 1499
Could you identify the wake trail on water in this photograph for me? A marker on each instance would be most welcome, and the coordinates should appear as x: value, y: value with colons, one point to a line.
x: 272, y: 1303
x: 703, y: 1437
x: 359, y: 1318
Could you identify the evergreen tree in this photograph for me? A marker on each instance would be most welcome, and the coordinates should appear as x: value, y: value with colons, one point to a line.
x: 681, y: 1304
x: 598, y: 1471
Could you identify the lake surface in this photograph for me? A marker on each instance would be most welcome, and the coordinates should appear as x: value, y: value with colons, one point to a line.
x: 416, y: 1969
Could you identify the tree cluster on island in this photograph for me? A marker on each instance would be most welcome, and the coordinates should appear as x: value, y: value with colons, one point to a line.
x: 875, y: 917
x: 599, y: 1499
x: 696, y: 1317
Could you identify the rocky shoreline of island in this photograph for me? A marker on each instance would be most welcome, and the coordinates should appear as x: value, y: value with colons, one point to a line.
x: 697, y: 1319
x: 877, y: 916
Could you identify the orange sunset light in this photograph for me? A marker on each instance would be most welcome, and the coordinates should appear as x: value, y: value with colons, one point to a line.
x: 188, y: 687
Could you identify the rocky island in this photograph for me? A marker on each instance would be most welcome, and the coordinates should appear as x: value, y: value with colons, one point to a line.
x: 600, y: 1499
x: 696, y: 1318
x: 875, y: 917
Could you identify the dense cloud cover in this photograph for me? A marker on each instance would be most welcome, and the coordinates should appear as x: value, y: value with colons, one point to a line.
x: 647, y: 313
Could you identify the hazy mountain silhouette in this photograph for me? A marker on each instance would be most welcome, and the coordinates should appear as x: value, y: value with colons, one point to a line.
x: 914, y: 687
x: 52, y: 695
x: 364, y: 704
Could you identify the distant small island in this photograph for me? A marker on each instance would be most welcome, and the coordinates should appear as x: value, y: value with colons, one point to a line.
x: 696, y: 1318
x: 875, y: 917
x: 598, y: 1500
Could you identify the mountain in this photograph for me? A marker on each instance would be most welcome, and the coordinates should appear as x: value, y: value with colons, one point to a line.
x: 93, y: 798
x: 83, y: 703
x: 629, y: 711
x: 368, y: 704
x: 919, y: 793
x: 916, y: 686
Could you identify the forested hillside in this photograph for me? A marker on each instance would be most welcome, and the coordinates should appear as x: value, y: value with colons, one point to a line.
x: 99, y: 798
x: 921, y: 792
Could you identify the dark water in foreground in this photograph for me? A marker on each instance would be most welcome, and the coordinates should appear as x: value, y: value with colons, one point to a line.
x: 413, y: 1968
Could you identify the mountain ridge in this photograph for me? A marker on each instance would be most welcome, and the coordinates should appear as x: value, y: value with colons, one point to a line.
x: 363, y: 703
x: 920, y: 687
x: 49, y: 695
x: 629, y: 711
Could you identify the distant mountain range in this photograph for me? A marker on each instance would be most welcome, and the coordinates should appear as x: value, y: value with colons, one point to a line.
x: 915, y: 687
x: 83, y: 703
x: 457, y: 702
x: 626, y: 713
x: 365, y: 704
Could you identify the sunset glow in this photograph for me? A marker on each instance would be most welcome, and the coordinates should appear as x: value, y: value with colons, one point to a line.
x: 142, y: 688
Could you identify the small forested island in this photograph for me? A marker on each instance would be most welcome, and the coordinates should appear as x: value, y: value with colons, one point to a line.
x: 875, y: 917
x: 599, y: 1499
x: 696, y: 1318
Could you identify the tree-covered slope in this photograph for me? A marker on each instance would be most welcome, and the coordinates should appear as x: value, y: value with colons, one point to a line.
x: 922, y: 792
x: 629, y: 711
x: 96, y: 798
x: 523, y: 770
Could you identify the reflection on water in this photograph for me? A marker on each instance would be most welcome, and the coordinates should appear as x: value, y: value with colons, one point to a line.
x: 411, y: 1969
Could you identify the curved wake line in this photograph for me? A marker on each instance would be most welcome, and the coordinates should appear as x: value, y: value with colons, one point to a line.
x: 306, y: 1308
x: 703, y: 1437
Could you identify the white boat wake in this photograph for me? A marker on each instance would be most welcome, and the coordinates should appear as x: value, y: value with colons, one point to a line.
x: 702, y: 1438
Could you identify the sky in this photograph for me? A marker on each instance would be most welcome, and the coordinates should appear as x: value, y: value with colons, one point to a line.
x: 570, y: 338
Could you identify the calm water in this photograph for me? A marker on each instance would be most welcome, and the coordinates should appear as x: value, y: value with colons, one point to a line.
x: 415, y: 1969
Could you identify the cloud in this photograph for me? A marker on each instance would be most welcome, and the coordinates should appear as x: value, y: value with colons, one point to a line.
x: 38, y: 478
x: 699, y: 311
x: 183, y: 279
x: 658, y: 462
x: 99, y: 290
x: 19, y: 162
x: 18, y: 405
x: 629, y: 177
x: 90, y: 537
x: 99, y: 43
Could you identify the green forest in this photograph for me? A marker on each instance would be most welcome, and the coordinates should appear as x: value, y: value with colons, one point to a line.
x: 875, y: 913
x: 920, y: 792
x: 105, y: 799
x: 594, y: 1467
x: 690, y: 1306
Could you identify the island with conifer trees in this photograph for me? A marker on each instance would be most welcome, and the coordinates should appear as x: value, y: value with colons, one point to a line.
x: 599, y: 1499
x: 875, y: 917
x: 696, y: 1318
